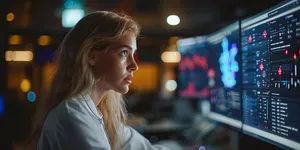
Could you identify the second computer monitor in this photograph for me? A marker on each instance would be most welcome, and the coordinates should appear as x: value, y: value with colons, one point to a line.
x: 193, y: 68
x: 224, y: 75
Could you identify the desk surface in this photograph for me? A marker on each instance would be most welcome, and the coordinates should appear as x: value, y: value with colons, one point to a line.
x: 165, y: 126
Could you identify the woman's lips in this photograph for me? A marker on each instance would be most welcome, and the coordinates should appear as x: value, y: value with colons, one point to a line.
x: 128, y: 79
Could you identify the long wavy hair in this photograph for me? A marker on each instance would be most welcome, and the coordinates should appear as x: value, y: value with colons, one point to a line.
x: 73, y: 74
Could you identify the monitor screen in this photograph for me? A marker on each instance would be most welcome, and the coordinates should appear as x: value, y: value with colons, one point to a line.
x: 193, y: 68
x: 271, y: 76
x: 224, y: 75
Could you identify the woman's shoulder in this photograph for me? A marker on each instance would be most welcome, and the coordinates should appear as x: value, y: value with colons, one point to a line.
x: 70, y: 109
x: 73, y: 105
x: 71, y: 122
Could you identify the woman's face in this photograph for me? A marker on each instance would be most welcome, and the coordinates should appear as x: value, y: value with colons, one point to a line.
x: 115, y: 67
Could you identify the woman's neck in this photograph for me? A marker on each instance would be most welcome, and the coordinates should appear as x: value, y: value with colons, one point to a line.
x: 97, y: 95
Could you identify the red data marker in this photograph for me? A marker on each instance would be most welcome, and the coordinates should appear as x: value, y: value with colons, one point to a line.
x: 261, y: 66
x: 249, y: 38
x: 279, y: 70
x: 264, y: 34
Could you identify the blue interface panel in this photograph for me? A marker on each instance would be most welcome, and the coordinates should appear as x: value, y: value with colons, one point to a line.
x: 225, y: 75
x: 271, y: 76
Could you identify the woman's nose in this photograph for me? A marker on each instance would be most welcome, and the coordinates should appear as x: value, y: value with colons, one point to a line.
x: 133, y: 66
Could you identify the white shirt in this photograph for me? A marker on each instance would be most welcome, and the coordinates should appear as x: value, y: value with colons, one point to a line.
x: 75, y: 124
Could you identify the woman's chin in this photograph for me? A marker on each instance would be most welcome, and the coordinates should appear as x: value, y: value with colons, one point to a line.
x: 123, y: 90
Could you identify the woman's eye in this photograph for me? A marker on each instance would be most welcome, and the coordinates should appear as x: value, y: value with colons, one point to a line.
x: 124, y: 53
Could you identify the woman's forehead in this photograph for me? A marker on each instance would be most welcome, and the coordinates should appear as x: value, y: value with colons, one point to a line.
x: 128, y: 40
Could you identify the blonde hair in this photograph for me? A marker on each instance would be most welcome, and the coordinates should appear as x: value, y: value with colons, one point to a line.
x: 73, y: 74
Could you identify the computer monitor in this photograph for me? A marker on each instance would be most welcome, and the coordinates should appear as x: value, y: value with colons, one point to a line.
x: 271, y: 76
x: 225, y: 75
x: 192, y: 75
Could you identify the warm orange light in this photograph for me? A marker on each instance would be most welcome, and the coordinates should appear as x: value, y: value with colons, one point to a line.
x: 15, y: 39
x: 18, y: 56
x: 146, y: 78
x: 10, y: 17
x: 173, y: 40
x: 171, y: 57
x: 44, y: 40
x: 25, y: 85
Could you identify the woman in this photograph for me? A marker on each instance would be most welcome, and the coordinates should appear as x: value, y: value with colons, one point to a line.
x: 85, y: 110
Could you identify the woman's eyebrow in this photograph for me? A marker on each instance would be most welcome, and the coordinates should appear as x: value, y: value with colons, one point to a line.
x: 127, y: 46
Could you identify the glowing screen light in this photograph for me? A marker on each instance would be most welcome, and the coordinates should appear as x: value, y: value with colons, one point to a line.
x: 1, y: 106
x: 228, y: 65
x: 71, y: 16
x: 225, y: 75
x: 193, y: 67
x: 31, y: 96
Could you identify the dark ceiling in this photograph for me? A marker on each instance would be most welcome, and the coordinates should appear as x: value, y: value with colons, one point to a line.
x: 197, y: 16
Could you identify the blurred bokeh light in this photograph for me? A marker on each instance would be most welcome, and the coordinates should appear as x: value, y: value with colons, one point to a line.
x: 71, y: 16
x: 10, y: 17
x: 1, y: 106
x: 173, y: 20
x: 171, y: 85
x: 170, y: 57
x: 15, y: 40
x: 31, y: 96
x: 25, y: 85
x: 18, y: 56
x: 44, y: 40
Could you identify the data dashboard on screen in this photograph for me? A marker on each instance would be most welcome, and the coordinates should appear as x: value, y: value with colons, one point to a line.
x: 225, y: 75
x: 193, y: 68
x: 271, y: 76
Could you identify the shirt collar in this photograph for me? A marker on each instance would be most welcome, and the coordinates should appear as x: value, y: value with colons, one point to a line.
x: 87, y: 98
